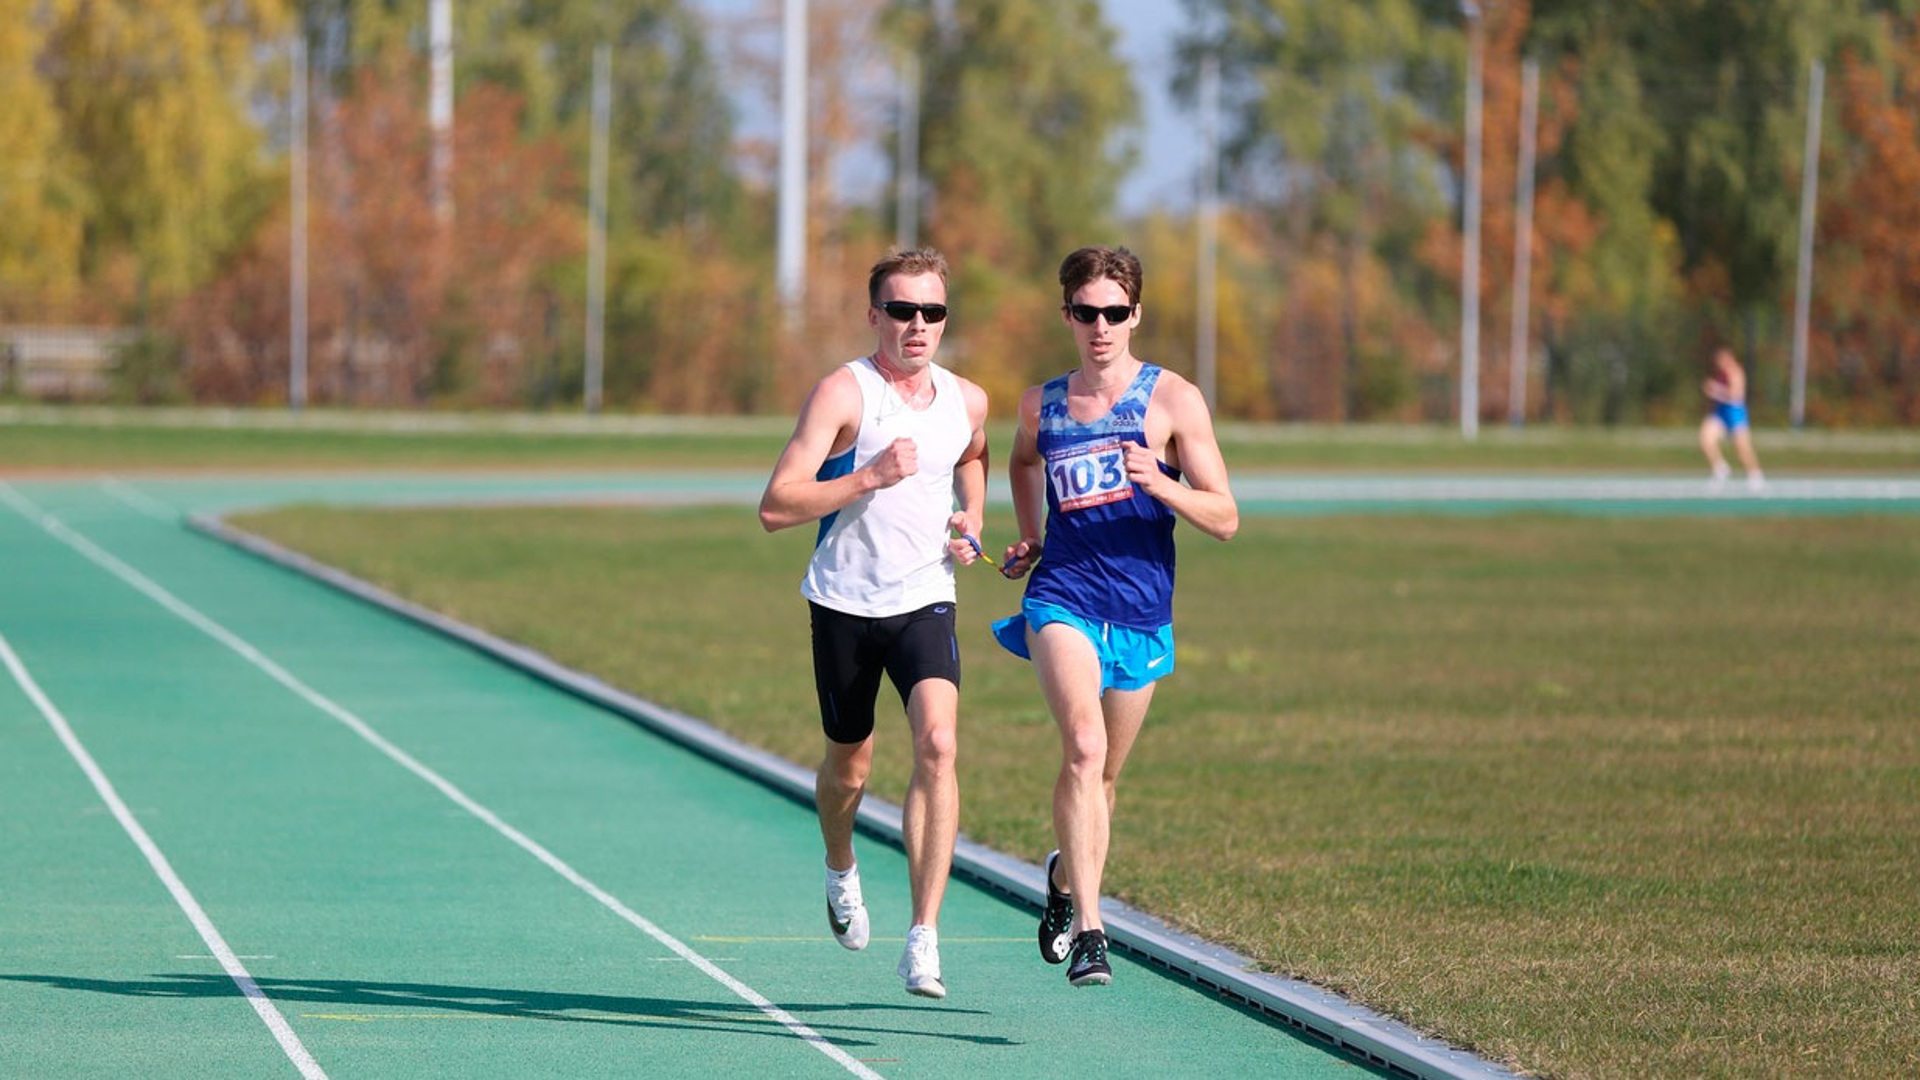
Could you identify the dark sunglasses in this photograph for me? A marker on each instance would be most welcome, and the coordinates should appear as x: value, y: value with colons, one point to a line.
x: 1086, y: 313
x: 901, y: 311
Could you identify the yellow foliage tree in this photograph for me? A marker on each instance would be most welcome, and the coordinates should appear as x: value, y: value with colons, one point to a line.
x: 152, y: 96
x: 40, y: 221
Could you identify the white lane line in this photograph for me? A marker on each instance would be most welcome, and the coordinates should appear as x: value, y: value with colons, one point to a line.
x: 237, y: 971
x: 161, y: 596
x: 138, y: 499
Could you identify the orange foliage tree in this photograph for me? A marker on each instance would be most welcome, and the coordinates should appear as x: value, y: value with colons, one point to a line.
x: 1865, y: 346
x: 405, y: 306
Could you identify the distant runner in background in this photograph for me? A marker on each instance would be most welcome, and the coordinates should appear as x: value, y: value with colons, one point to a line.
x: 885, y: 447
x: 1726, y: 389
x: 1102, y: 451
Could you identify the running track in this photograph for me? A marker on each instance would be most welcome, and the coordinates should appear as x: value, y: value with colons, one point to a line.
x: 254, y: 827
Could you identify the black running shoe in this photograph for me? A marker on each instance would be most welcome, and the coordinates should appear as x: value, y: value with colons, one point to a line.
x: 1056, y: 923
x: 1090, y: 967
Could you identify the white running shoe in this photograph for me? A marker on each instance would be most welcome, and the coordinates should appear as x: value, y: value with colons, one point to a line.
x: 1720, y: 474
x: 1756, y: 483
x: 920, y: 963
x: 847, y: 909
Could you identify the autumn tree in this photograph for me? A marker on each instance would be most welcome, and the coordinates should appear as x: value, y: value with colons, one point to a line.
x: 1866, y: 347
x: 1687, y: 148
x: 40, y: 194
x: 1025, y: 102
x: 392, y: 321
x: 153, y: 96
x: 1330, y: 114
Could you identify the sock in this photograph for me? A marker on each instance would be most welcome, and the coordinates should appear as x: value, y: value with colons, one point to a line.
x: 842, y: 875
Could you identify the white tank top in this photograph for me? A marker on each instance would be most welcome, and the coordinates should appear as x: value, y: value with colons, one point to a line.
x: 885, y: 553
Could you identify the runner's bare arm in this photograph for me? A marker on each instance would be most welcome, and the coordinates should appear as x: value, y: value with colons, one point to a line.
x: 1205, y: 500
x: 828, y: 421
x: 1027, y: 478
x: 970, y: 477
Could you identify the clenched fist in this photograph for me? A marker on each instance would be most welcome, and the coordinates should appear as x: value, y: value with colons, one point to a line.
x: 896, y: 462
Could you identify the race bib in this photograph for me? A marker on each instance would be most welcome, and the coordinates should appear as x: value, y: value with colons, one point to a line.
x: 1090, y: 474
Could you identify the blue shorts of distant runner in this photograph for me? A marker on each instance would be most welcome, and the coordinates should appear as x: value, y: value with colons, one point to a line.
x: 1129, y: 659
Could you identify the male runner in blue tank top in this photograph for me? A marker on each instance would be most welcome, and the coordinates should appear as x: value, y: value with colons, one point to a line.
x: 884, y: 448
x: 1102, y: 451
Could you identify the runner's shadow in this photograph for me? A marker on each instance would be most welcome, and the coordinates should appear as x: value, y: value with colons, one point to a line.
x: 735, y: 1017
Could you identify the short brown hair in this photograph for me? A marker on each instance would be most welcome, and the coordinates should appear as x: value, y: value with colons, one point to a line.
x: 1093, y: 263
x: 911, y: 263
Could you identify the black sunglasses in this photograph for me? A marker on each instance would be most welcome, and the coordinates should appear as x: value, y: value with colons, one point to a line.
x: 901, y: 311
x: 1086, y: 313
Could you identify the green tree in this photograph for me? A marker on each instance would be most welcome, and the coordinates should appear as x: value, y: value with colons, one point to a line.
x: 1026, y: 103
x: 1688, y: 144
x: 1332, y: 114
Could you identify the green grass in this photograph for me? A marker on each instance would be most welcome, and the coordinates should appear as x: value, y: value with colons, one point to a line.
x: 41, y: 438
x: 1600, y: 797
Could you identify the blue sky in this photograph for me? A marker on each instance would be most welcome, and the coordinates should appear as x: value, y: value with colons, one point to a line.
x: 1169, y: 159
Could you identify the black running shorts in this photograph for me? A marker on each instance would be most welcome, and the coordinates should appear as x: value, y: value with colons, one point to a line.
x: 850, y: 652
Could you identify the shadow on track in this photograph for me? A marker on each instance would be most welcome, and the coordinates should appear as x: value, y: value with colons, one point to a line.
x: 408, y: 1000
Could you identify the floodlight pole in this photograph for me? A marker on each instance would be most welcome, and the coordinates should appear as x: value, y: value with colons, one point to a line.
x: 1803, y: 292
x: 1517, y: 342
x: 1470, y: 228
x: 790, y: 269
x: 597, y: 229
x: 906, y: 167
x: 297, y: 233
x: 440, y: 106
x: 1206, y: 303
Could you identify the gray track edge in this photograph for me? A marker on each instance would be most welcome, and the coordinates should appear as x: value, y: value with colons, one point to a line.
x: 1308, y: 1010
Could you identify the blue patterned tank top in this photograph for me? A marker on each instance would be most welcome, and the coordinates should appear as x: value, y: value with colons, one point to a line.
x: 1109, y: 546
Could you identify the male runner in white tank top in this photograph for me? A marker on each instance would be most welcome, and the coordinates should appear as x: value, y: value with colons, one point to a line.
x: 885, y: 447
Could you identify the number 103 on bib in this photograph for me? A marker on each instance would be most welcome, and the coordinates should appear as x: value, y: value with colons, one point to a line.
x: 1089, y: 474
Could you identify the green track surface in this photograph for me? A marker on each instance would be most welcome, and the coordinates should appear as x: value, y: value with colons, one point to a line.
x: 398, y: 933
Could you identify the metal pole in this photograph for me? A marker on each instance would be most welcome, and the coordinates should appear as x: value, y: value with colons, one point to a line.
x: 1206, y: 304
x: 1803, y: 294
x: 297, y: 228
x: 906, y: 168
x: 440, y: 105
x: 791, y: 258
x: 1470, y: 248
x: 1517, y: 343
x: 597, y: 228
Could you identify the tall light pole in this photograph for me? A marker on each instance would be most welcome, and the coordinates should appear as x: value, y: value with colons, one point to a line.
x: 1470, y: 227
x: 440, y: 105
x: 906, y: 166
x: 297, y: 239
x: 790, y: 269
x: 597, y: 229
x: 1803, y: 292
x: 1206, y: 304
x: 1517, y: 342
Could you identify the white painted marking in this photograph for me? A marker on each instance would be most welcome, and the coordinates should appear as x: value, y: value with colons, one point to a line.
x: 237, y: 971
x: 138, y: 499
x: 206, y: 625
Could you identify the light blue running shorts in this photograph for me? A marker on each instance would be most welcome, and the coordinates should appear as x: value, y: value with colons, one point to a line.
x: 1129, y: 659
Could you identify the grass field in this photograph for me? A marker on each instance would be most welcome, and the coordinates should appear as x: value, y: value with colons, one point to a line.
x: 64, y: 439
x: 1598, y: 797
